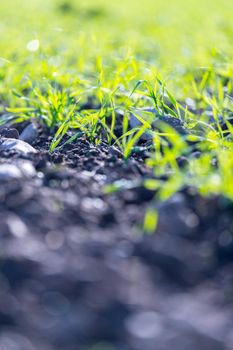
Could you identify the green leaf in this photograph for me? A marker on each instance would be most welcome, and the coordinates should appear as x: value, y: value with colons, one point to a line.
x: 150, y: 220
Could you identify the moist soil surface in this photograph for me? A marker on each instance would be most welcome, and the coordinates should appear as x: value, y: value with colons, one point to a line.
x: 76, y: 270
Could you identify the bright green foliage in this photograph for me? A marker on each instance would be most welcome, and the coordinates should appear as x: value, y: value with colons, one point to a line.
x: 150, y: 221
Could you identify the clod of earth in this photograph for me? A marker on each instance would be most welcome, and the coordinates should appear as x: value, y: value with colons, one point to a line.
x: 9, y: 133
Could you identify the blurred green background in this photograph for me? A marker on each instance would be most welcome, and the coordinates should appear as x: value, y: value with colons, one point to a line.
x: 168, y: 35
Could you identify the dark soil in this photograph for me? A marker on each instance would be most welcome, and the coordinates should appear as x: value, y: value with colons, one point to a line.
x: 77, y: 273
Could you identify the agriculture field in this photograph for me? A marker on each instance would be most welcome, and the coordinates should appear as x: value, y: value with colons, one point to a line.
x: 116, y: 175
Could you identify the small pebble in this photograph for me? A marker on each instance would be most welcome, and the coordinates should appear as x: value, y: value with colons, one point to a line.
x: 29, y: 134
x: 175, y: 123
x: 20, y: 146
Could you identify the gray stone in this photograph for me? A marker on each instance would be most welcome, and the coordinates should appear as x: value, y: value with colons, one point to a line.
x: 9, y: 172
x: 29, y: 134
x: 21, y: 169
x: 20, y: 146
x: 175, y: 123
